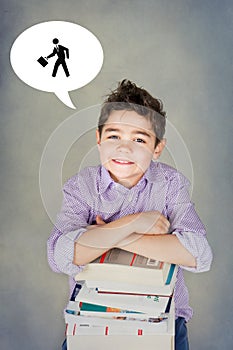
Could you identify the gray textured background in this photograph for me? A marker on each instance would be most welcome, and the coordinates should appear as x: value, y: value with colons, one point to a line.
x: 182, y: 52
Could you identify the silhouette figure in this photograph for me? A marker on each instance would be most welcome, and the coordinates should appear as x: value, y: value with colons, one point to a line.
x: 62, y: 53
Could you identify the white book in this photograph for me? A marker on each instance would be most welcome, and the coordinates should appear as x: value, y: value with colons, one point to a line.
x: 85, y: 333
x: 153, y: 304
x: 121, y: 266
x: 78, y: 325
x: 137, y: 287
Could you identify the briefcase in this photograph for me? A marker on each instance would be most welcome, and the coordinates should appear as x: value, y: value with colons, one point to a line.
x: 42, y: 61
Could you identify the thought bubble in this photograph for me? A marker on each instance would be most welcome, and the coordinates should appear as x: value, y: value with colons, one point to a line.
x: 75, y: 57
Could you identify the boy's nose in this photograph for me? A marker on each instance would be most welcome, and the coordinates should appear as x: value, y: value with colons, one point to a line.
x: 125, y: 145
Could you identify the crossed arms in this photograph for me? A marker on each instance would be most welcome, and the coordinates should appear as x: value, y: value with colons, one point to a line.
x: 143, y: 233
x: 73, y: 243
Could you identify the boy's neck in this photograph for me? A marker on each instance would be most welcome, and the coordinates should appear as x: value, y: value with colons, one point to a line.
x: 124, y: 182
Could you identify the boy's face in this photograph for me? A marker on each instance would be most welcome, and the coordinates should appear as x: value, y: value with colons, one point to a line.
x: 127, y: 146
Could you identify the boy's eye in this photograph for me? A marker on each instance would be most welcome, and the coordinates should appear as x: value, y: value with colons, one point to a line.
x: 113, y: 137
x: 139, y: 140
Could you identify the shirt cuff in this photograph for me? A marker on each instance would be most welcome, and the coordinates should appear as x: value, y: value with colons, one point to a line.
x: 197, y: 245
x: 64, y: 253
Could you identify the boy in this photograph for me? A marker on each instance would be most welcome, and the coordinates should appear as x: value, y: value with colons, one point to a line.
x: 131, y: 201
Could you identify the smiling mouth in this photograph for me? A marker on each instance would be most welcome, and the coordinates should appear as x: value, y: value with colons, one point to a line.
x: 122, y: 162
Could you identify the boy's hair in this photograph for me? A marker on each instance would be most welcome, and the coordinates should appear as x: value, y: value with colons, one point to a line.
x: 128, y: 96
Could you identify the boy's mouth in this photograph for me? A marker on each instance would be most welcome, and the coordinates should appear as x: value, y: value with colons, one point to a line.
x: 122, y: 161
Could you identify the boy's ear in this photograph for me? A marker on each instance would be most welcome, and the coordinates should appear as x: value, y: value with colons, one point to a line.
x: 159, y: 149
x: 97, y: 134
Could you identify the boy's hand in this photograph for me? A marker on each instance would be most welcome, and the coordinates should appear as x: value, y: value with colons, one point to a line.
x: 99, y: 221
x: 152, y: 223
x: 149, y: 223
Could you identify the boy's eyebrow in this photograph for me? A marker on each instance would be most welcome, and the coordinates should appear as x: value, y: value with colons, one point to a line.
x: 111, y: 129
x: 136, y: 132
x: 143, y: 133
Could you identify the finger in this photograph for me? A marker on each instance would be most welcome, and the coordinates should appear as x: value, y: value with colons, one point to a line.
x: 162, y: 225
x: 164, y: 220
x: 99, y: 220
x: 165, y: 227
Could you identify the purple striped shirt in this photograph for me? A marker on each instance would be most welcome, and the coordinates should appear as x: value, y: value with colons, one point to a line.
x: 93, y: 192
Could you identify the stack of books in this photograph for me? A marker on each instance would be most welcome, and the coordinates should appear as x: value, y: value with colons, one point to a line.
x: 122, y: 300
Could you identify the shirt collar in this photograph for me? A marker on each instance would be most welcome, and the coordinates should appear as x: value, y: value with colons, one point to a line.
x: 105, y: 180
x: 154, y: 173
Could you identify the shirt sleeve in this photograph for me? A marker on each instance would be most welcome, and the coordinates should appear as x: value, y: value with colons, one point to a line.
x: 186, y: 224
x: 198, y: 246
x: 64, y: 252
x: 70, y: 224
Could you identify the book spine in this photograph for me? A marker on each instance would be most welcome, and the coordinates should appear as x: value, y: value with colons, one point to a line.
x: 170, y: 274
x: 80, y: 327
x: 78, y: 330
x: 109, y: 292
x: 99, y: 308
x: 101, y: 317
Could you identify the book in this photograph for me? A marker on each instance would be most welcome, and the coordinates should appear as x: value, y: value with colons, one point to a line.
x: 94, y: 308
x: 113, y: 328
x: 121, y: 266
x: 161, y: 340
x: 81, y: 325
x: 120, y: 315
x: 125, y: 297
x: 90, y: 299
x: 85, y: 332
x: 137, y: 288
